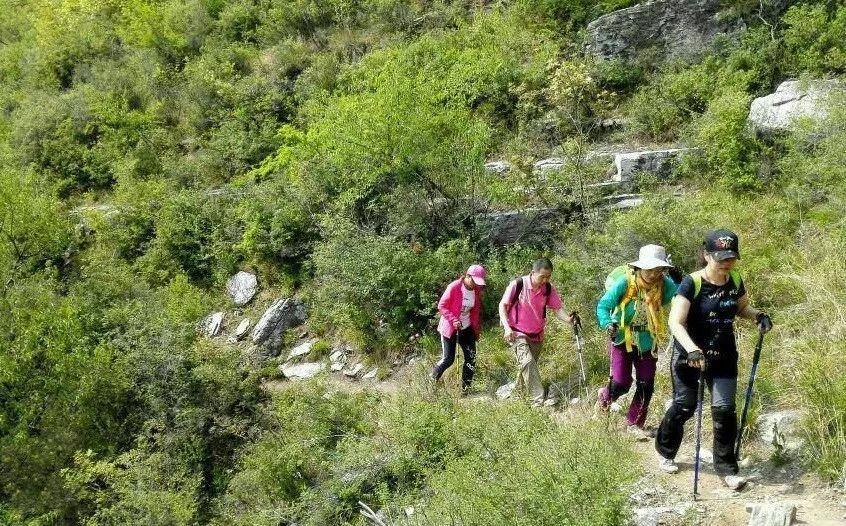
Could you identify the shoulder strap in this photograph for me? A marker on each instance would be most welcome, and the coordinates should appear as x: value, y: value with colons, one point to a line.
x: 515, y: 296
x: 735, y: 278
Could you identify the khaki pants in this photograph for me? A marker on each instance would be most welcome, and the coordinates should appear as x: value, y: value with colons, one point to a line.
x: 527, y: 354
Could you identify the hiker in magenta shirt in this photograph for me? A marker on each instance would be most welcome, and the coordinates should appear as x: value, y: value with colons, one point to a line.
x: 522, y: 312
x: 461, y: 323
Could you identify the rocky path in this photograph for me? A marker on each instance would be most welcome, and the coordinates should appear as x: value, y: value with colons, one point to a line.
x: 663, y: 499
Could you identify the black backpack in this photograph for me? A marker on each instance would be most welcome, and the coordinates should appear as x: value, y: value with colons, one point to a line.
x: 518, y: 288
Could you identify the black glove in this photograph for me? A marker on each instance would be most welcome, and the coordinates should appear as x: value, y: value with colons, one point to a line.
x: 764, y: 322
x: 612, y: 330
x: 574, y: 318
x: 695, y: 356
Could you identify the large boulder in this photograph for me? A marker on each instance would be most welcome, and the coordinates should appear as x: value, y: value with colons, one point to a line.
x: 668, y: 29
x: 242, y: 287
x: 283, y: 314
x: 658, y: 162
x: 793, y: 102
x: 530, y: 227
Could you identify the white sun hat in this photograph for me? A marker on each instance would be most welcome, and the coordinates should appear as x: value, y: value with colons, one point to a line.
x: 651, y: 256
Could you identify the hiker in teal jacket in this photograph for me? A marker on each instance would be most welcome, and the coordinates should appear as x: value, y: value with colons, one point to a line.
x: 632, y: 312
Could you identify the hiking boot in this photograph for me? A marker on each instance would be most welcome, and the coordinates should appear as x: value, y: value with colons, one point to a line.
x: 734, y: 482
x: 667, y: 465
x: 639, y: 433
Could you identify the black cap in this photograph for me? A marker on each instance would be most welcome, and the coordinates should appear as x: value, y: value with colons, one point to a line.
x: 722, y: 244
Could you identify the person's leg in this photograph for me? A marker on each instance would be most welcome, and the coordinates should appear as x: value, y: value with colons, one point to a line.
x: 447, y: 356
x: 645, y: 366
x: 529, y: 375
x: 670, y: 432
x: 724, y: 415
x: 621, y: 374
x: 467, y: 340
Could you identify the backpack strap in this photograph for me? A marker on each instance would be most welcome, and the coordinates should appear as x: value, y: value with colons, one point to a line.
x: 515, y: 297
x: 547, y: 291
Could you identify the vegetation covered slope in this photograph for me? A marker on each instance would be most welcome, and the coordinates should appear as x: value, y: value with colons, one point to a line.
x: 148, y: 149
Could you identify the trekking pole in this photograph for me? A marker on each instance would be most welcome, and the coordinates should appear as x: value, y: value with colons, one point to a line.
x: 577, y: 329
x: 700, y: 394
x: 755, y: 358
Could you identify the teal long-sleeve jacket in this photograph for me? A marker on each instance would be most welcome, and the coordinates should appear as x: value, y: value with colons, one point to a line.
x: 609, y: 301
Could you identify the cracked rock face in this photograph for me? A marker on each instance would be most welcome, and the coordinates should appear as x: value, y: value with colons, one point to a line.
x: 283, y: 314
x: 670, y: 29
x: 792, y: 102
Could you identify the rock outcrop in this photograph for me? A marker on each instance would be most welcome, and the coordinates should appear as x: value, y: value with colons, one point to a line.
x: 793, y: 102
x: 283, y: 314
x: 666, y: 29
x: 658, y: 162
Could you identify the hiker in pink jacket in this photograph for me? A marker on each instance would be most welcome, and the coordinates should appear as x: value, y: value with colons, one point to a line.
x: 461, y: 323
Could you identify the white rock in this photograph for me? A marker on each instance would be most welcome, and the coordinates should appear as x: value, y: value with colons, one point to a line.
x: 354, y: 370
x: 409, y: 511
x: 336, y: 367
x: 786, y: 424
x: 505, y: 391
x: 653, y: 515
x: 793, y: 100
x: 242, y: 329
x: 301, y: 349
x: 371, y: 374
x: 242, y: 287
x: 212, y: 323
x: 706, y: 455
x: 338, y: 357
x: 497, y: 167
x: 574, y: 401
x: 301, y: 371
x: 549, y: 402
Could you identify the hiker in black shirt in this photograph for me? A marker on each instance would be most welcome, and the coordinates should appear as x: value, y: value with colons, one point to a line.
x: 702, y: 322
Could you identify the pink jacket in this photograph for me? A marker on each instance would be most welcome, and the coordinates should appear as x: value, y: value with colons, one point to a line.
x: 450, y: 309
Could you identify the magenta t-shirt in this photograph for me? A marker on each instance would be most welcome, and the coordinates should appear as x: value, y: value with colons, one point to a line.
x: 526, y: 317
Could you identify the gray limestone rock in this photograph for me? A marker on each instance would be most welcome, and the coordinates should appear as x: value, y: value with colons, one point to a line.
x: 658, y: 162
x: 283, y: 314
x: 792, y: 102
x: 665, y: 29
x: 242, y: 287
x: 782, y: 428
x: 212, y: 324
x: 301, y: 371
x: 771, y: 513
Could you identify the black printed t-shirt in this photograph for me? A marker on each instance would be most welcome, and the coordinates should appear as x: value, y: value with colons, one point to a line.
x: 710, y: 323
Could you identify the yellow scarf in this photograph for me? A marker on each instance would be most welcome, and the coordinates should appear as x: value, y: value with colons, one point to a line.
x: 652, y: 298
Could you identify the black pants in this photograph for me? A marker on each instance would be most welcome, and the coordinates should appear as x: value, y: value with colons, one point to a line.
x: 467, y: 339
x: 723, y: 412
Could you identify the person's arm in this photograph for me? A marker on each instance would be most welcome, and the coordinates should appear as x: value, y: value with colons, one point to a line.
x: 504, y: 303
x: 678, y: 327
x: 746, y: 310
x: 556, y: 304
x: 609, y: 301
x: 443, y: 307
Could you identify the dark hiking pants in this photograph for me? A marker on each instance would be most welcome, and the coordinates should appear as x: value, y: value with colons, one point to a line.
x: 723, y: 412
x: 466, y: 338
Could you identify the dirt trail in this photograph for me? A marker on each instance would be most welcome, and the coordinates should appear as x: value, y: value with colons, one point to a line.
x: 817, y: 503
